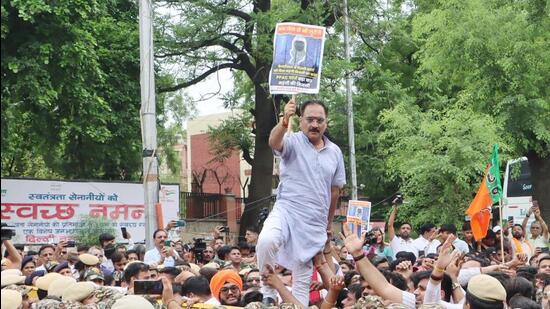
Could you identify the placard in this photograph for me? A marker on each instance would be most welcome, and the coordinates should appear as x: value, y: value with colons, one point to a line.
x: 358, y: 216
x: 297, y: 58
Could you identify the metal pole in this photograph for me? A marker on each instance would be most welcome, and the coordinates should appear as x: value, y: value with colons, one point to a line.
x: 148, y: 116
x: 351, y: 131
x: 501, y: 231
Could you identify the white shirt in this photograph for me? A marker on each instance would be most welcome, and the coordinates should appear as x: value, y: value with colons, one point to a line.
x: 399, y: 244
x: 153, y: 256
x: 409, y: 300
x: 459, y: 244
x: 212, y: 301
x: 433, y: 296
x: 422, y: 244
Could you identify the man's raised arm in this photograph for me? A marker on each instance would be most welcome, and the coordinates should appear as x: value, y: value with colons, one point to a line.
x: 391, y: 220
x: 278, y: 132
x: 369, y: 272
x: 539, y: 218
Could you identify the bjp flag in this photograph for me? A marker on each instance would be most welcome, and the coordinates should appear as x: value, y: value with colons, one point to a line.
x: 489, y: 192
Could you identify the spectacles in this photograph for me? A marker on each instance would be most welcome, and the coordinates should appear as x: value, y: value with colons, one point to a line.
x: 233, y: 289
x: 312, y: 119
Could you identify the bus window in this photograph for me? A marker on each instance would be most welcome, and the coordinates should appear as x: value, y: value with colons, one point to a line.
x: 519, y: 182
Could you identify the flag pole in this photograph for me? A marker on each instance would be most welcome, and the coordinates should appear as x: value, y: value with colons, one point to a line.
x: 289, y: 129
x: 501, y: 230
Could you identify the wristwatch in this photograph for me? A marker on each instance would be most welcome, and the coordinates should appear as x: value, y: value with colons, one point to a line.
x: 455, y: 285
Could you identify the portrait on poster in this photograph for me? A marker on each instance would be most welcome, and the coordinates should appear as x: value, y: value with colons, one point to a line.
x: 297, y: 58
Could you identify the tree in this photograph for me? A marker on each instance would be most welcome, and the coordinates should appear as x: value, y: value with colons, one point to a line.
x: 91, y: 228
x: 503, y: 74
x: 70, y: 90
x: 235, y: 35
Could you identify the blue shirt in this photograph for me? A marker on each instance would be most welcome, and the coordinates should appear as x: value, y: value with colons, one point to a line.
x: 307, y: 175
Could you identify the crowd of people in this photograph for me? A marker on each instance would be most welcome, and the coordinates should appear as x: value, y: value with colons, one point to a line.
x: 435, y: 270
x: 294, y: 261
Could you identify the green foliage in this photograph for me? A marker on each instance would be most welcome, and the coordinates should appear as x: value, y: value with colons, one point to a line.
x: 70, y: 91
x: 70, y: 95
x: 91, y: 228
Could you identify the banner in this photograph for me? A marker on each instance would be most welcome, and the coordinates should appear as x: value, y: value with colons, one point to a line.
x: 297, y: 58
x: 47, y: 211
x: 358, y: 216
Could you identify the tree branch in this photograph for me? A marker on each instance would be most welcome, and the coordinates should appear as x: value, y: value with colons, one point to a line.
x: 240, y: 14
x: 366, y: 43
x: 200, y: 77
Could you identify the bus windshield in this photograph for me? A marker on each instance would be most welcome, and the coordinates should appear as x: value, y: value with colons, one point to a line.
x: 518, y: 181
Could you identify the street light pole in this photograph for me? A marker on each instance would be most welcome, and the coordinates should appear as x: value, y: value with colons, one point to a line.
x: 148, y: 119
x: 351, y: 131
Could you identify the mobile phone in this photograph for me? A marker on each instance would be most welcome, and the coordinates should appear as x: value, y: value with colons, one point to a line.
x: 124, y: 232
x: 148, y: 287
x: 224, y: 229
x: 421, y: 253
x: 180, y: 223
x: 510, y: 218
x: 167, y: 243
x: 71, y: 243
x: 544, y: 249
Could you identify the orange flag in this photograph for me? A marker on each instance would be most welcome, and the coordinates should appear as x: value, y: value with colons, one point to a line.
x: 480, y: 211
x: 489, y: 192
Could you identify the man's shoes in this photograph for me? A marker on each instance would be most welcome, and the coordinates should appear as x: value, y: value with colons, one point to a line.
x: 269, y: 301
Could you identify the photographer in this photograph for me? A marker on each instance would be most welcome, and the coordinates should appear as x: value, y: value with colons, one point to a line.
x: 537, y: 235
x: 161, y: 253
x: 403, y: 241
x: 13, y: 256
x: 377, y: 247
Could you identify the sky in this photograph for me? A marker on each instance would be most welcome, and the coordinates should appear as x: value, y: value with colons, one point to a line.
x: 211, y: 90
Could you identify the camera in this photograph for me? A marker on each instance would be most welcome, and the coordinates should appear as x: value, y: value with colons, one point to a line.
x: 370, y: 238
x: 7, y: 232
x: 70, y: 243
x: 198, y: 249
x: 398, y: 199
x: 262, y: 216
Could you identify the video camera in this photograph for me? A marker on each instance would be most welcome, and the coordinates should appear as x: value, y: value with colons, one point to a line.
x: 7, y: 232
x: 370, y: 238
x: 398, y: 199
x: 198, y: 249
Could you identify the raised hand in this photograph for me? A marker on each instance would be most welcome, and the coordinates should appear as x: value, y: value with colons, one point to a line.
x: 336, y: 283
x: 290, y: 109
x: 405, y: 269
x: 353, y: 243
x: 270, y: 278
x: 446, y: 254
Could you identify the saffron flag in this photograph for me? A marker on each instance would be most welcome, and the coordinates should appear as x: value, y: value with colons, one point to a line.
x: 489, y: 192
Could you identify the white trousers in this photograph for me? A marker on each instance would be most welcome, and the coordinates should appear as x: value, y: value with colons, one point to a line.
x: 269, y: 241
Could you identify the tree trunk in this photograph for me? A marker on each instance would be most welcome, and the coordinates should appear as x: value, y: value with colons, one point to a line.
x: 262, y: 170
x: 540, y: 176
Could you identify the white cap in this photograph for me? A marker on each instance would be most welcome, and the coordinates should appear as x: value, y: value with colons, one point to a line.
x: 496, y: 228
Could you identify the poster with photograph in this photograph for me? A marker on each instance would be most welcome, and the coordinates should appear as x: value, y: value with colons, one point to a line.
x: 358, y: 216
x: 297, y: 58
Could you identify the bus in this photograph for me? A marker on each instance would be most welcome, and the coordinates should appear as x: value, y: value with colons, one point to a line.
x: 517, y: 190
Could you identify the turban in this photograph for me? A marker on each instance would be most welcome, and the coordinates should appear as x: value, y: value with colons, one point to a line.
x: 221, y: 278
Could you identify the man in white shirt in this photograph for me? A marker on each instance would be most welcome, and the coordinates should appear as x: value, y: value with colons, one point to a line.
x: 444, y: 232
x: 403, y: 242
x: 161, y: 254
x: 428, y: 232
